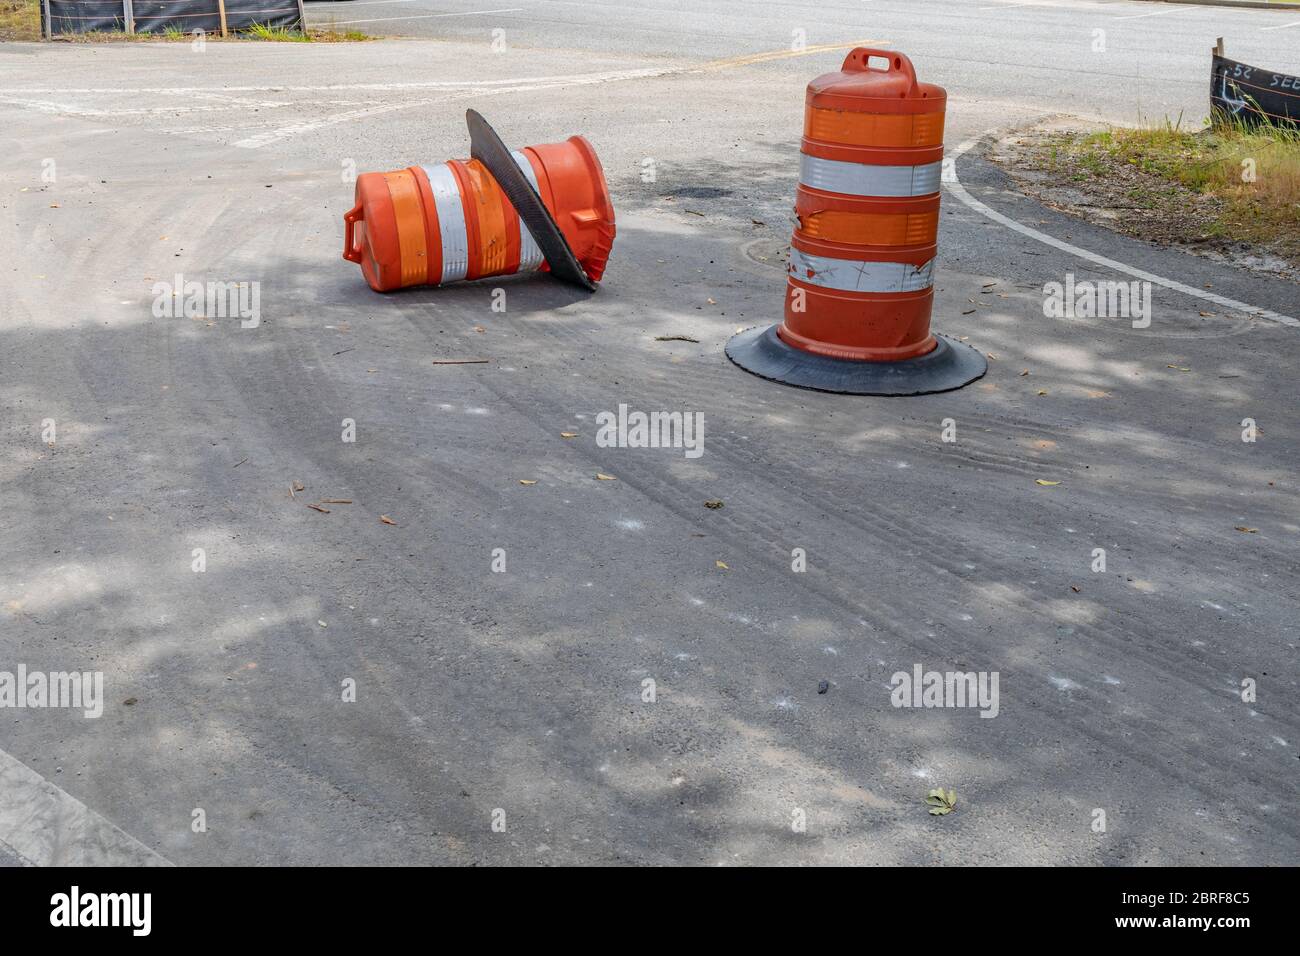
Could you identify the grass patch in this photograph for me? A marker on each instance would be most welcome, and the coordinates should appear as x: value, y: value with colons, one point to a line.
x: 20, y: 20
x: 1247, y: 178
x: 354, y: 36
x: 327, y: 34
x: 262, y: 31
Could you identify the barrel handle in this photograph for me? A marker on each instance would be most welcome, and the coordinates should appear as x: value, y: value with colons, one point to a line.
x: 350, y: 218
x: 860, y: 58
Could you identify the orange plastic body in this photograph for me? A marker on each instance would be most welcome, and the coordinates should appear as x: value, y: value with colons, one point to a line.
x: 885, y: 121
x: 393, y: 230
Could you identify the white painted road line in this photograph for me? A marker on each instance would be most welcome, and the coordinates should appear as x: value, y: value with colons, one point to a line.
x: 68, y: 109
x: 327, y: 88
x: 363, y: 3
x: 1158, y: 13
x: 450, y: 89
x: 45, y: 826
x: 266, y: 137
x: 1283, y: 26
x: 957, y: 189
x: 429, y: 16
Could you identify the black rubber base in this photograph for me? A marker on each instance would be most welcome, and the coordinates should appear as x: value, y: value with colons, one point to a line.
x: 487, y: 148
x: 950, y: 365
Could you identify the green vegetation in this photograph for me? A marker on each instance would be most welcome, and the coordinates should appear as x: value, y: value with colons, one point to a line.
x: 20, y: 20
x: 1252, y: 173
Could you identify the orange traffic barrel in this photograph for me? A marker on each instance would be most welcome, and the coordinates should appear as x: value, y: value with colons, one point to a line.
x: 541, y: 208
x: 860, y: 286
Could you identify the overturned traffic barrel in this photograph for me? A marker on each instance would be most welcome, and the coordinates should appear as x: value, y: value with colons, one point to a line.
x: 860, y: 287
x: 501, y: 212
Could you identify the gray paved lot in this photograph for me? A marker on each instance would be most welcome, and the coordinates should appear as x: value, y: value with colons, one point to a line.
x: 522, y: 691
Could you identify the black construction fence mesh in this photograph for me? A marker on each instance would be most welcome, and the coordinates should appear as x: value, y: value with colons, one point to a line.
x: 159, y: 16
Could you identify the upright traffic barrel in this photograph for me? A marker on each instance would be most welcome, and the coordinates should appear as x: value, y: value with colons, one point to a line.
x: 860, y: 285
x: 430, y: 225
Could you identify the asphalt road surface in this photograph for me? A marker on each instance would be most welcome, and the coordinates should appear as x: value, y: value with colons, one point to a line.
x: 519, y: 698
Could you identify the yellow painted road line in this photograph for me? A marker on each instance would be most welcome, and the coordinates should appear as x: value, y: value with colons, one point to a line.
x: 747, y: 59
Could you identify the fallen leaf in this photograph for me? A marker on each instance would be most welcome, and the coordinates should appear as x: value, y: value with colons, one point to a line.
x: 130, y: 701
x: 600, y: 476
x: 941, y: 803
x: 298, y: 486
x: 1044, y: 481
x: 714, y: 503
x: 1242, y: 527
x: 386, y: 520
x: 322, y: 624
x: 1042, y: 391
x: 479, y: 328
x: 992, y: 356
x: 1207, y: 314
x: 1180, y: 368
x: 1025, y: 372
x: 721, y: 564
x: 528, y: 481
x: 710, y: 302
x: 1074, y: 589
x: 323, y: 511
x: 568, y: 434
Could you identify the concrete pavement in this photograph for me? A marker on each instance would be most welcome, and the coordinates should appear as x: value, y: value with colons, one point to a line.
x: 518, y: 697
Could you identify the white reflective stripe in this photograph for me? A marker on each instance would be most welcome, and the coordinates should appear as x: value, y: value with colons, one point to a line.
x: 451, y: 222
x: 530, y: 255
x: 860, y: 179
x: 852, y: 275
